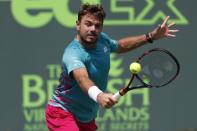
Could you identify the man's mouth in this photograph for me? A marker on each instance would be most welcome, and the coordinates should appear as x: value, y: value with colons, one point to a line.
x: 92, y: 36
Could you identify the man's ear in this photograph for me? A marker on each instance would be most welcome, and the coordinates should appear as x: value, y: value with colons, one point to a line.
x: 77, y: 24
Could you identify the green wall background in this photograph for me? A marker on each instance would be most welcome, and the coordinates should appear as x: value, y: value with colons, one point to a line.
x: 33, y: 35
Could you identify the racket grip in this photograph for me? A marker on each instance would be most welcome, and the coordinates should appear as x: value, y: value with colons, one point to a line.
x: 117, y: 95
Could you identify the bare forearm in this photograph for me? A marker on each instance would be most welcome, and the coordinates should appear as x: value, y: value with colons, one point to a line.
x: 88, y: 86
x: 82, y: 78
x: 130, y: 43
x: 162, y: 31
x: 85, y: 83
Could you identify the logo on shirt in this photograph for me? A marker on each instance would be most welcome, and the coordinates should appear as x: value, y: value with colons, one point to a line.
x: 105, y: 49
x: 77, y: 63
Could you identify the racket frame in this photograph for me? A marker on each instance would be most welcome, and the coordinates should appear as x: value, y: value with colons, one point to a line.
x: 124, y: 90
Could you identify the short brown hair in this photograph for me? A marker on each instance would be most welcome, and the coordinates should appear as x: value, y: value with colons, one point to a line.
x: 94, y: 9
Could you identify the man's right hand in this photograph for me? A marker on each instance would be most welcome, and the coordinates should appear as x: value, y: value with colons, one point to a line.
x: 106, y: 100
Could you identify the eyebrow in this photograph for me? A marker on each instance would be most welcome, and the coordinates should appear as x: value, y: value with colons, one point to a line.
x: 89, y: 21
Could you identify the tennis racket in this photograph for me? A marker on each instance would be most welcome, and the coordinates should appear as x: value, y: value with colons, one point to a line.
x: 159, y: 67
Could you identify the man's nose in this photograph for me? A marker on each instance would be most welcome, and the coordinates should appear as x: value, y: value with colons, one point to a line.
x: 93, y: 28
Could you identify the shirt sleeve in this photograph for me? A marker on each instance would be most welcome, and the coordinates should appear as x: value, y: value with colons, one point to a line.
x: 73, y: 59
x: 113, y: 44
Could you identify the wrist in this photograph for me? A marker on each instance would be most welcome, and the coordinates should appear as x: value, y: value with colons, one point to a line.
x: 149, y: 37
x: 93, y: 92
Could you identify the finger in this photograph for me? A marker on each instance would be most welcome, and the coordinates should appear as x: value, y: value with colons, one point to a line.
x: 173, y: 31
x: 171, y: 24
x: 158, y: 27
x: 109, y: 104
x: 106, y: 106
x: 113, y: 100
x: 170, y: 35
x: 165, y: 21
x: 109, y: 101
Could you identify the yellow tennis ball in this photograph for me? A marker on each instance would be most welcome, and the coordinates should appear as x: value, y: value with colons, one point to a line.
x: 135, y: 67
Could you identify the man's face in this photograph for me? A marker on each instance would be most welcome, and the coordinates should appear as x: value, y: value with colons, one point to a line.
x: 89, y: 28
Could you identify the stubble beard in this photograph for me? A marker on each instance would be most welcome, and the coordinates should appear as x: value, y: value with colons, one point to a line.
x: 86, y: 42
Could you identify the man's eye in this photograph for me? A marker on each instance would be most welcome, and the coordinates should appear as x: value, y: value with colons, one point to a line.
x: 88, y: 24
x: 98, y: 26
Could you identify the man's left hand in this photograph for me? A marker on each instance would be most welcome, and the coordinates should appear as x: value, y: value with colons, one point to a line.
x: 164, y: 30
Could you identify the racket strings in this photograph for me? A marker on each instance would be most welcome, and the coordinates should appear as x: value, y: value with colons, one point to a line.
x: 158, y: 68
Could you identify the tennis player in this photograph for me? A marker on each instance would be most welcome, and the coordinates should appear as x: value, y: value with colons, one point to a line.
x: 86, y: 64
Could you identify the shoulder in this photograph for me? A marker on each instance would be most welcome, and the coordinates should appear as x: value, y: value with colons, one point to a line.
x: 113, y: 44
x: 104, y: 36
x: 74, y: 49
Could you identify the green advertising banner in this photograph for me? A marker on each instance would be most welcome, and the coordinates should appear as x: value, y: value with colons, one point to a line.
x: 34, y: 33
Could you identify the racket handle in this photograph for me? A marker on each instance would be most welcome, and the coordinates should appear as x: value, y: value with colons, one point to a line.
x: 117, y: 95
